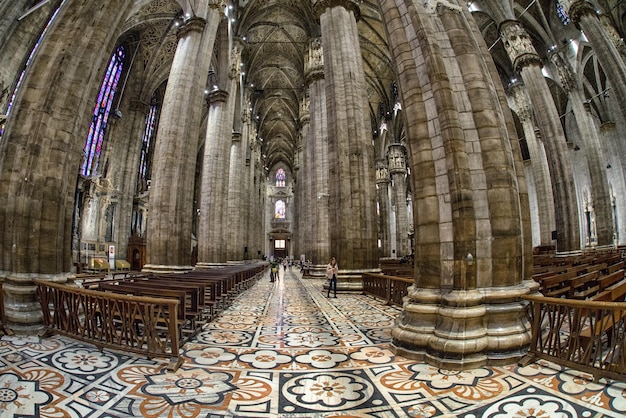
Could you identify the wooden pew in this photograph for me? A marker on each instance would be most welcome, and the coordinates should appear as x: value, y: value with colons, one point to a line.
x: 584, y: 286
x: 130, y: 289
x: 614, y: 293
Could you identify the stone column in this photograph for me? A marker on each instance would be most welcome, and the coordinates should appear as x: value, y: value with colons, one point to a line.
x: 600, y: 195
x: 306, y: 175
x: 38, y: 187
x: 539, y: 165
x: 397, y: 170
x: 176, y: 147
x: 527, y: 62
x: 585, y: 15
x: 297, y: 178
x: 318, y: 136
x: 213, y: 195
x: 382, y: 193
x: 214, y: 228
x: 352, y: 206
x: 464, y: 309
x: 233, y: 234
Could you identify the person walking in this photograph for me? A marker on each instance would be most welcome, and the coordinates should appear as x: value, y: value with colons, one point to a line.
x: 332, y: 270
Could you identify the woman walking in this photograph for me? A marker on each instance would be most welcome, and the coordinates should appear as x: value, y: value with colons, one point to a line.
x: 331, y: 273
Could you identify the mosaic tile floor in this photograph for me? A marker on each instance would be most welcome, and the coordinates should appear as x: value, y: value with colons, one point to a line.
x: 284, y: 350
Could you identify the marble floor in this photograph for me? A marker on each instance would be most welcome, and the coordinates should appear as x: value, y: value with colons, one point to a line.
x: 285, y: 350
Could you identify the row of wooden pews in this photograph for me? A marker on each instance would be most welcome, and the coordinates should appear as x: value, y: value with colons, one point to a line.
x: 594, y: 323
x: 397, y: 267
x: 202, y: 294
x: 578, y: 277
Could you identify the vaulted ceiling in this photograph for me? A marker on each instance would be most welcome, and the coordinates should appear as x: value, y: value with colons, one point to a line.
x: 275, y: 33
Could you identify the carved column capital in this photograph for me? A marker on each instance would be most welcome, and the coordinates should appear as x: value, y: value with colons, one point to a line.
x: 568, y: 81
x: 235, y: 61
x: 314, y: 60
x: 305, y: 113
x: 217, y: 96
x: 575, y: 9
x: 521, y: 102
x: 382, y: 172
x: 217, y: 4
x: 396, y: 160
x: 320, y: 6
x: 193, y: 24
x: 518, y: 45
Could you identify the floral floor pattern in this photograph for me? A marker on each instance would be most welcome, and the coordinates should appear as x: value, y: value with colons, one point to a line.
x: 284, y: 350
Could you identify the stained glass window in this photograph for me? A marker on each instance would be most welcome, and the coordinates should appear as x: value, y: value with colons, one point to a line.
x: 101, y: 112
x: 147, y: 140
x: 562, y: 15
x: 280, y: 177
x: 280, y: 209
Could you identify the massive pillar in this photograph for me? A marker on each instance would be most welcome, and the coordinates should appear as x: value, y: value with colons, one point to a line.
x: 233, y: 234
x: 352, y: 194
x: 41, y: 152
x: 470, y: 201
x: 382, y: 195
x: 213, y: 228
x: 397, y: 170
x: 176, y: 146
x: 539, y: 163
x: 584, y: 14
x: 318, y: 136
x: 527, y: 62
x: 600, y: 194
x: 306, y: 180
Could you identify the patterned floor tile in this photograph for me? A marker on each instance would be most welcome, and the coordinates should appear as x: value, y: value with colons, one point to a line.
x: 285, y: 350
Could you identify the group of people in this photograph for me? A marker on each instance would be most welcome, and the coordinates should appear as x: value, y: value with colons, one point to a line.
x: 332, y: 270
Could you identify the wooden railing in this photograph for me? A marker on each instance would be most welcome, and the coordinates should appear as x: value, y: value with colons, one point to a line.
x: 388, y: 288
x: 582, y: 335
x: 142, y: 325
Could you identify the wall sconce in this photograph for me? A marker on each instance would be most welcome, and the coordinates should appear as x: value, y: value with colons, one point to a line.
x: 470, y: 259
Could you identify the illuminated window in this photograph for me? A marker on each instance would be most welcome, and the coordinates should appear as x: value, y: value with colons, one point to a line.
x: 562, y: 15
x: 101, y: 113
x: 280, y: 177
x: 147, y: 140
x: 279, y: 244
x: 280, y: 209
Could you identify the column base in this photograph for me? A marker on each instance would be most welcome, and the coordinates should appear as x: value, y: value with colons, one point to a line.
x: 22, y: 309
x: 461, y: 330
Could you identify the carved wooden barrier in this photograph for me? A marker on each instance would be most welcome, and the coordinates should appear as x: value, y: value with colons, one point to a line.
x: 138, y: 324
x: 391, y: 289
x: 582, y: 335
